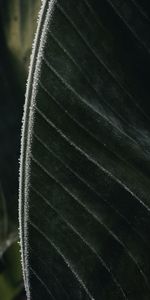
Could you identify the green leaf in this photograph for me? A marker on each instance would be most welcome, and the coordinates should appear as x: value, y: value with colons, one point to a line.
x: 15, y: 48
x: 19, y: 21
x: 85, y: 158
x: 8, y: 232
x: 11, y: 279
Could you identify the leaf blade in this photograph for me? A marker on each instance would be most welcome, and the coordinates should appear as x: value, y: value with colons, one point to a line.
x: 64, y: 154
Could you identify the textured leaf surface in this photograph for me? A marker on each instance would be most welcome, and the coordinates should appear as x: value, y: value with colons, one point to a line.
x: 85, y: 161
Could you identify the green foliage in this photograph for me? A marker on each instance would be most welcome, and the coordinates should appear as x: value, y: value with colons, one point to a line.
x: 18, y: 20
x: 11, y: 276
x: 84, y: 177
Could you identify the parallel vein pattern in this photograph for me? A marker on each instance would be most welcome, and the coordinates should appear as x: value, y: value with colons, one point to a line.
x: 86, y: 153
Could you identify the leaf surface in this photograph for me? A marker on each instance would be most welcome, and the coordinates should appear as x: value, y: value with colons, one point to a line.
x: 84, y: 180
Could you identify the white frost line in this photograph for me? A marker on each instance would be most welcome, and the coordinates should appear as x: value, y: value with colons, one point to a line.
x: 64, y: 259
x: 141, y: 10
x: 93, y: 161
x: 42, y: 282
x: 89, y: 186
x: 56, y: 279
x: 91, y: 86
x: 112, y: 234
x: 100, y: 60
x: 99, y: 113
x: 131, y: 29
x: 28, y: 120
x: 84, y: 241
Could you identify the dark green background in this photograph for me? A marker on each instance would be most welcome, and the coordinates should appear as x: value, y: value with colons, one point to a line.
x: 18, y: 20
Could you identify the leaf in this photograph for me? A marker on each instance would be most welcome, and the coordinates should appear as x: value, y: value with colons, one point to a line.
x: 11, y: 278
x: 85, y: 158
x: 15, y: 47
x: 19, y: 24
x: 8, y: 232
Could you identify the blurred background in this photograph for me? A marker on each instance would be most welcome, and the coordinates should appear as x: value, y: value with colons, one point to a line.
x: 18, y: 21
